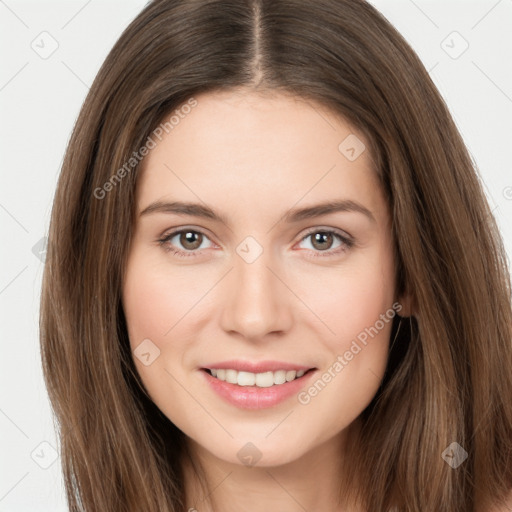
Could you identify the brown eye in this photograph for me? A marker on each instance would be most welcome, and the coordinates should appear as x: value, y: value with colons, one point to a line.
x: 322, y: 240
x: 190, y: 240
x: 184, y: 242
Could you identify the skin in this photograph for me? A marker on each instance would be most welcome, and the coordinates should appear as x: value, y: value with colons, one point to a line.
x: 252, y: 158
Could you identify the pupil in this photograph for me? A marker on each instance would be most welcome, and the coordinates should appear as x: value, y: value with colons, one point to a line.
x: 322, y: 238
x: 189, y: 239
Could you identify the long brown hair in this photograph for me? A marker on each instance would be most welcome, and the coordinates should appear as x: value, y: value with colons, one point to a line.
x: 449, y: 375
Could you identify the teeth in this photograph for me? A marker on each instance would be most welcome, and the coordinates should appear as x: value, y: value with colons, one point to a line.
x: 231, y: 376
x: 265, y: 380
x: 245, y: 378
x: 290, y: 375
x: 261, y: 380
x: 280, y: 377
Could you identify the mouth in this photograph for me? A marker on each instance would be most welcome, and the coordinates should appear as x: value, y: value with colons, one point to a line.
x: 258, y: 389
x: 256, y: 384
x: 259, y: 380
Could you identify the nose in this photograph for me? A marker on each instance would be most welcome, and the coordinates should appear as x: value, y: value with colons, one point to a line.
x: 257, y: 301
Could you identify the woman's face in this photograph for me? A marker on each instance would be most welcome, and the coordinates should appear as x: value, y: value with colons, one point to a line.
x: 280, y: 284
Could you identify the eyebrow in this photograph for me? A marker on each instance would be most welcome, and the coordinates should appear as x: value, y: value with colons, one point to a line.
x: 293, y: 215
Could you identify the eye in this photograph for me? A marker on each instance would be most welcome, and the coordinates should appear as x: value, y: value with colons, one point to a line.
x: 190, y: 239
x: 322, y: 241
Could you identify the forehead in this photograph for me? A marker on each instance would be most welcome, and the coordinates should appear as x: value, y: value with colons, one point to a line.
x: 242, y: 150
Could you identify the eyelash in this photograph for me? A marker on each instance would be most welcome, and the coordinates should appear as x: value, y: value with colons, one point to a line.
x: 347, y: 243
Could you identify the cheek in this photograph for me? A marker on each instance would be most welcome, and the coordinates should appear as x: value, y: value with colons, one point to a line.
x: 155, y: 304
x: 351, y: 297
x: 157, y: 298
x: 356, y: 305
x: 149, y: 304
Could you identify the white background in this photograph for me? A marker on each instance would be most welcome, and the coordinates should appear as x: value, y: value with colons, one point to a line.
x: 40, y: 100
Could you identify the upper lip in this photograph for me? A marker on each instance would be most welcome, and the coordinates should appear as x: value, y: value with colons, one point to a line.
x: 256, y: 367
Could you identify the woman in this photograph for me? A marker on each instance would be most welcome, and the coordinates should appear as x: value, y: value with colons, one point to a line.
x: 273, y: 278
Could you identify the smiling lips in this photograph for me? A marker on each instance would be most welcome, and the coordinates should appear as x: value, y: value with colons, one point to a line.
x: 262, y: 374
x: 256, y: 385
x: 261, y: 380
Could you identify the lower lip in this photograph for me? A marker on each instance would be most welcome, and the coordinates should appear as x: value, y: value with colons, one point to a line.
x: 254, y: 397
